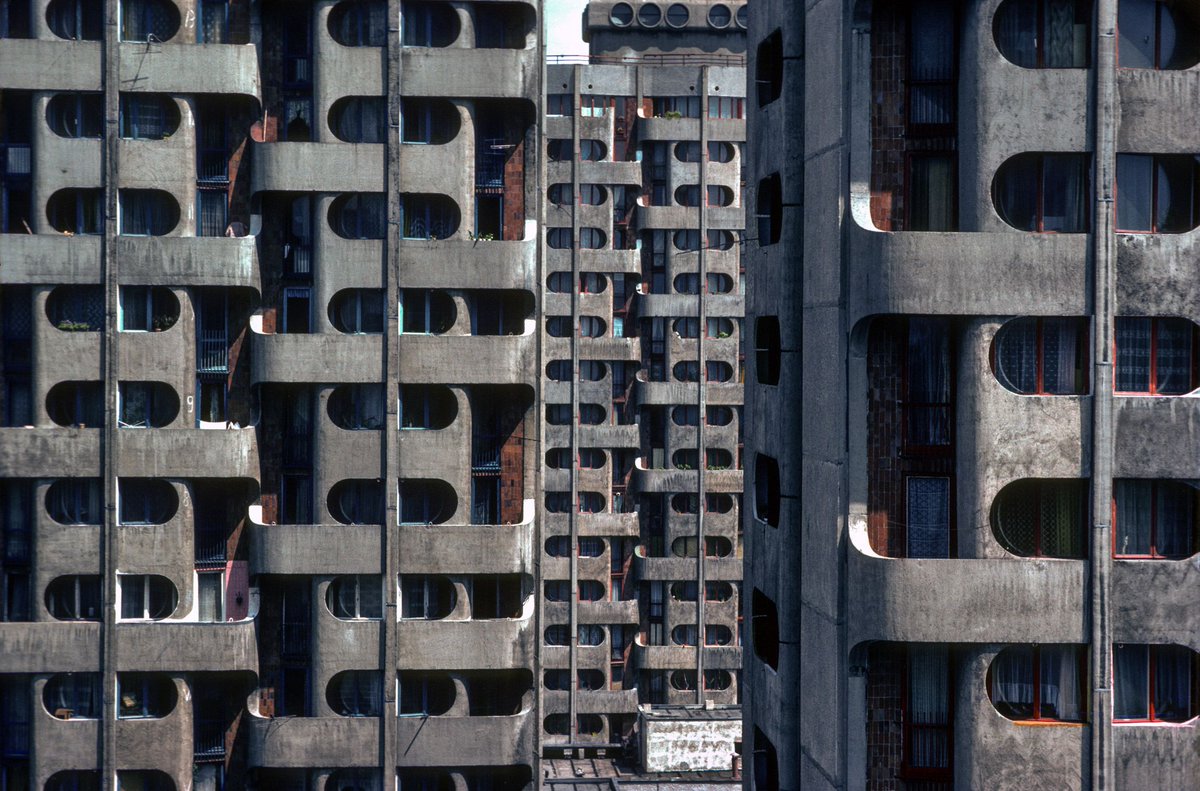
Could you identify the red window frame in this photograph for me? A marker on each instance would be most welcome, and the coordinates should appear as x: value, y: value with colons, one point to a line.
x: 1159, y: 8
x: 1085, y: 365
x: 1154, y: 554
x: 1152, y: 652
x: 929, y: 774
x: 1153, y: 383
x: 1039, y: 486
x: 1081, y: 677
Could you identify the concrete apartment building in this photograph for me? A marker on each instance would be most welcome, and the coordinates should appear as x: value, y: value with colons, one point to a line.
x: 270, y: 286
x: 313, y: 473
x: 973, y: 311
x: 641, y: 537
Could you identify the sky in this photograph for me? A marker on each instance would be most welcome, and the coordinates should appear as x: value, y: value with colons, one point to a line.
x: 564, y: 27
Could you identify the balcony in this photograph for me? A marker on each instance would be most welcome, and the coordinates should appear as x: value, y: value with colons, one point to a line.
x: 1156, y: 437
x: 315, y: 549
x: 50, y: 65
x: 187, y: 260
x: 470, y: 72
x: 299, y: 358
x: 188, y: 453
x: 66, y: 646
x: 302, y: 742
x: 465, y: 549
x: 198, y: 647
x: 189, y: 68
x: 49, y: 452
x: 453, y: 741
x: 466, y: 645
x: 318, y: 167
x: 476, y: 359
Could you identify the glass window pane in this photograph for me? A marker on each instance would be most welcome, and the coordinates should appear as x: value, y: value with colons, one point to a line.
x: 1176, y: 210
x: 1133, y: 355
x: 928, y: 517
x: 1137, y: 39
x: 932, y: 193
x: 1063, y: 356
x: 1131, y: 677
x: 1134, y: 191
x: 1173, y: 369
x: 1059, y: 684
x: 1012, y: 683
x: 1133, y: 517
x: 1172, y: 683
x: 1175, y: 519
x: 1017, y: 193
x: 1064, y: 193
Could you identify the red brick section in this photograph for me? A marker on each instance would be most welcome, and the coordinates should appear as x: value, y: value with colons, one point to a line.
x: 889, y: 45
x: 885, y: 719
x: 512, y: 466
x: 241, y: 119
x: 514, y: 179
x: 238, y: 382
x: 887, y: 465
x: 270, y: 454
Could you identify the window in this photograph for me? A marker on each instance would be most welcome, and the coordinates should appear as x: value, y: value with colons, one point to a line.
x: 560, y: 104
x: 425, y: 598
x: 427, y: 407
x: 74, y: 598
x: 356, y: 693
x: 76, y: 115
x: 1153, y: 519
x: 1157, y: 193
x: 1042, y: 518
x: 1155, y: 356
x: 147, y: 116
x: 75, y: 501
x: 927, y: 404
x: 1045, y: 193
x: 146, y: 597
x: 360, y: 216
x: 357, y: 408
x: 146, y: 501
x: 357, y: 311
x: 591, y: 150
x: 769, y: 211
x: 766, y: 490
x: 73, y: 696
x: 1039, y: 682
x: 148, y: 20
x: 928, y: 713
x: 719, y: 16
x: 932, y: 192
x: 726, y: 107
x: 356, y: 597
x: 1035, y: 356
x: 1153, y: 34
x: 426, y: 502
x: 427, y: 121
x: 146, y: 405
x: 360, y: 119
x: 768, y: 69
x: 1153, y: 683
x: 145, y: 308
x: 764, y: 628
x: 76, y: 404
x: 210, y: 591
x: 359, y: 23
x: 147, y: 212
x: 297, y: 306
x: 357, y: 502
x: 77, y: 20
x: 427, y: 217
x: 425, y: 312
x: 425, y: 694
x: 929, y: 529
x: 675, y: 106
x: 76, y: 211
x: 213, y: 27
x: 1045, y: 34
x: 144, y: 695
x: 428, y: 24
x: 767, y: 350
x: 558, y: 546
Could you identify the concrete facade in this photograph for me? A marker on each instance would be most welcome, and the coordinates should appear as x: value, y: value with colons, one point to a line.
x: 641, y: 308
x: 269, y: 276
x: 893, y: 614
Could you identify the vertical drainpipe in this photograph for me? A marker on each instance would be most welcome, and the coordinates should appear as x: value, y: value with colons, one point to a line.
x: 1103, y: 307
x: 110, y: 76
x: 702, y: 380
x: 389, y: 650
x: 576, y: 78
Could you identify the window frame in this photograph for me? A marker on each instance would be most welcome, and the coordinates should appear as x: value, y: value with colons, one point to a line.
x: 1158, y: 162
x: 1194, y: 381
x: 1153, y: 651
x: 1036, y: 682
x: 908, y: 771
x: 1085, y: 363
x: 1040, y: 485
x: 1154, y: 485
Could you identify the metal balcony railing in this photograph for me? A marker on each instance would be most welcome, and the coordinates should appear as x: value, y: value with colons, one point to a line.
x: 209, y: 741
x: 212, y: 167
x: 17, y: 159
x: 297, y: 259
x: 489, y: 164
x: 212, y: 352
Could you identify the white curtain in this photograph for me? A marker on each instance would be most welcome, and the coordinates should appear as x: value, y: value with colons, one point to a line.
x: 1060, y: 683
x: 1016, y: 355
x: 1172, y: 683
x: 1131, y: 675
x: 1012, y: 683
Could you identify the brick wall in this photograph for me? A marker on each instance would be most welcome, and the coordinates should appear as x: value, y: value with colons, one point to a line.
x: 514, y: 179
x: 887, y: 464
x: 885, y: 718
x: 889, y: 57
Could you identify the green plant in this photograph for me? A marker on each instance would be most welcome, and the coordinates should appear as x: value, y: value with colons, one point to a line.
x: 162, y: 322
x: 482, y: 237
x: 66, y: 325
x: 672, y: 114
